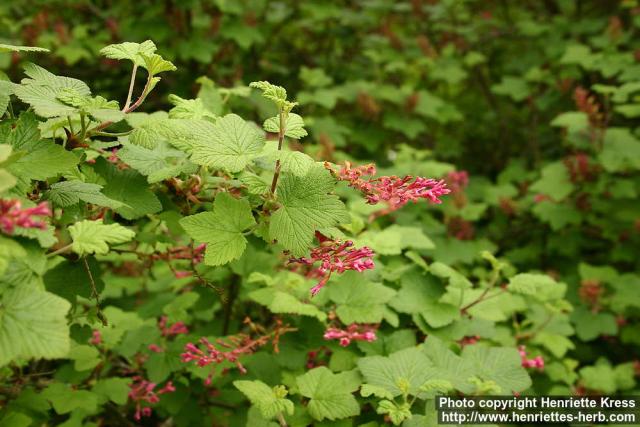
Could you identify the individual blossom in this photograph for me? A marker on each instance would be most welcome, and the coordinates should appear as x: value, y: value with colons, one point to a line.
x: 393, y: 190
x: 334, y: 256
x: 12, y: 215
x: 469, y: 340
x: 536, y: 362
x: 155, y: 348
x: 142, y: 390
x: 353, y: 332
x: 96, y: 337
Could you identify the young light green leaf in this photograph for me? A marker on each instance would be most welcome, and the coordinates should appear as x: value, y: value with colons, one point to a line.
x: 231, y: 146
x: 294, y: 162
x: 331, y: 394
x: 270, y: 401
x: 155, y: 64
x: 403, y: 372
x: 13, y: 48
x: 43, y: 88
x: 277, y: 94
x: 397, y: 412
x: 305, y: 207
x: 294, y: 126
x: 94, y: 237
x: 33, y: 324
x: 221, y: 229
x: 132, y: 51
x: 189, y: 109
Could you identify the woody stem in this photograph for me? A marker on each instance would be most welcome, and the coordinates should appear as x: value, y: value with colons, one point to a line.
x: 276, y: 174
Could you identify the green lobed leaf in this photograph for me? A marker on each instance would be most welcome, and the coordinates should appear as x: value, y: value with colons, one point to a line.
x: 294, y: 126
x: 68, y: 193
x: 221, y: 229
x: 33, y: 324
x: 306, y: 206
x: 94, y: 237
x: 331, y: 394
x: 232, y: 144
x: 270, y: 401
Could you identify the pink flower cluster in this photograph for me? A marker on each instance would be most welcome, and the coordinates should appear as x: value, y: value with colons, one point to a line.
x: 393, y: 190
x: 536, y: 362
x: 175, y: 329
x: 237, y: 347
x: 12, y: 215
x: 337, y: 256
x: 353, y: 332
x: 196, y: 255
x: 143, y: 391
x: 167, y: 332
x: 457, y: 180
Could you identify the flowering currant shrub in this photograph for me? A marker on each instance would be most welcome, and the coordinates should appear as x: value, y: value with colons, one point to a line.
x: 233, y: 257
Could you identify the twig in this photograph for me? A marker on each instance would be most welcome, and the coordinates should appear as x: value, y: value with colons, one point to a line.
x: 281, y: 132
x: 94, y: 293
x: 234, y: 288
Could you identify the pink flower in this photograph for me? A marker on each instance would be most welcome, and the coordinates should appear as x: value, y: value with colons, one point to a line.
x: 393, y: 190
x: 335, y: 256
x: 175, y: 329
x: 142, y: 390
x: 12, y: 215
x: 353, y: 332
x: 96, y: 337
x: 468, y: 340
x: 536, y: 362
x: 539, y: 198
x: 155, y: 348
x: 181, y: 274
x: 113, y: 157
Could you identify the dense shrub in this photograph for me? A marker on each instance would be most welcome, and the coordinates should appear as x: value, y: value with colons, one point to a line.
x: 428, y: 197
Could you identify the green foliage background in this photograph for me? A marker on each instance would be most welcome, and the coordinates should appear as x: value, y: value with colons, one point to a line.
x: 539, y: 101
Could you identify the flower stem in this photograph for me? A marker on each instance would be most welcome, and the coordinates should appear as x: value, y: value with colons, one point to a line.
x: 60, y: 251
x: 281, y: 420
x: 281, y: 132
x: 133, y: 80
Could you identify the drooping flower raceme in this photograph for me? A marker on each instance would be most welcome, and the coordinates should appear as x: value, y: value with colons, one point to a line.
x: 175, y: 329
x: 195, y: 254
x: 353, y: 332
x: 393, y: 190
x: 13, y: 215
x: 334, y: 256
x: 142, y: 390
